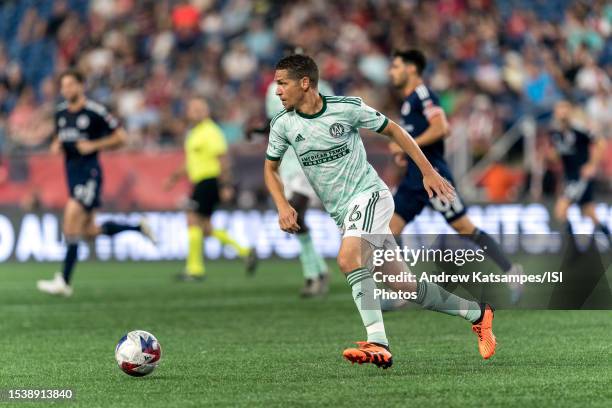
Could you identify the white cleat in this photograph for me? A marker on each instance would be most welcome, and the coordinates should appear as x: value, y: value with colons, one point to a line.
x: 56, y: 286
x: 145, y: 229
x: 516, y: 289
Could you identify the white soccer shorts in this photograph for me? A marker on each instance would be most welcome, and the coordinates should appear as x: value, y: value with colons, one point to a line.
x: 368, y: 217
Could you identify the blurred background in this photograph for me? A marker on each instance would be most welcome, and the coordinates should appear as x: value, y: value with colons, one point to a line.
x: 498, y: 67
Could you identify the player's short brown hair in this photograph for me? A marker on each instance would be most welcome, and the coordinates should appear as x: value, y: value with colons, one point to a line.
x: 415, y: 57
x: 77, y: 75
x: 299, y: 66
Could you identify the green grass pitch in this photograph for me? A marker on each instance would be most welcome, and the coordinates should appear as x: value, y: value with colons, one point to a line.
x: 238, y: 341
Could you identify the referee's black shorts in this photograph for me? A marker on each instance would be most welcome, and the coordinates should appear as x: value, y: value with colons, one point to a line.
x: 205, y: 197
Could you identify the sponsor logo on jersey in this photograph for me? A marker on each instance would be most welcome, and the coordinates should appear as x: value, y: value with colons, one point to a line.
x: 61, y: 122
x: 315, y: 157
x: 352, y: 227
x: 82, y: 121
x: 405, y: 108
x: 338, y: 130
x: 69, y: 134
x: 299, y: 138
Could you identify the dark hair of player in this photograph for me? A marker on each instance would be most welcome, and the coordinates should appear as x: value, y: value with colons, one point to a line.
x: 299, y: 66
x: 77, y: 75
x: 415, y: 57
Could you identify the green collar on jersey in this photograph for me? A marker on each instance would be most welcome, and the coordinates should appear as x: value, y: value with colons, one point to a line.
x: 316, y: 115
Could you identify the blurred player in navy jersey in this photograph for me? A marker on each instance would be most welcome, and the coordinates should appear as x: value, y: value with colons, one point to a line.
x: 423, y: 118
x: 82, y: 129
x: 580, y: 152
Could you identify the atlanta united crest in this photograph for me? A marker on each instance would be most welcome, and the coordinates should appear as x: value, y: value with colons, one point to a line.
x: 337, y: 130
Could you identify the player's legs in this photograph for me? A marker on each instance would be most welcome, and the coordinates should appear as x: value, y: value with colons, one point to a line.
x: 561, y: 207
x: 353, y: 265
x: 464, y: 226
x: 194, y: 265
x: 367, y: 213
x: 429, y: 295
x: 247, y: 254
x: 397, y: 224
x: 75, y: 217
x: 588, y: 210
x: 433, y: 297
x: 91, y: 230
x: 204, y: 200
x: 314, y: 267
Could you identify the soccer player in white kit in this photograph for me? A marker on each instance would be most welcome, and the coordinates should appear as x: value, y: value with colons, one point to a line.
x: 324, y: 133
x: 300, y: 195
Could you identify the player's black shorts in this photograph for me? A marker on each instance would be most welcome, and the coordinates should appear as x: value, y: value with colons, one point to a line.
x: 85, y: 185
x: 411, y: 199
x: 579, y: 191
x: 205, y: 197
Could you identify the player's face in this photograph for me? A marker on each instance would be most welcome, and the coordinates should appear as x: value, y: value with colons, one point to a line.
x: 288, y: 90
x: 197, y: 110
x: 398, y: 73
x: 563, y: 111
x: 71, y: 89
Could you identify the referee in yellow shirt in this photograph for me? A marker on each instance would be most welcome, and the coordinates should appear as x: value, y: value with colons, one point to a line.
x: 206, y: 166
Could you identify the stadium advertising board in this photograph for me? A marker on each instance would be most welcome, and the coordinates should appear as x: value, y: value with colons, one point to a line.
x: 37, y: 237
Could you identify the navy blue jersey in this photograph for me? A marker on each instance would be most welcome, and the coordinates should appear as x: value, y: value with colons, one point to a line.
x: 573, y: 145
x: 92, y: 122
x: 416, y: 110
x: 83, y: 172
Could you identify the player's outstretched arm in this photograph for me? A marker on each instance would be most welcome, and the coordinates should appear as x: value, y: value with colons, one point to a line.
x: 114, y: 141
x: 174, y: 177
x: 434, y: 184
x: 287, y: 216
x: 437, y: 129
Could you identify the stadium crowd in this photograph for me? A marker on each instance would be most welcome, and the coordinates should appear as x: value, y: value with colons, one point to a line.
x: 490, y: 61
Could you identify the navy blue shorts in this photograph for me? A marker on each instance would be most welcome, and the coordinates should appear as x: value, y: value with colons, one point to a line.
x: 85, y: 186
x: 579, y: 191
x: 410, y: 201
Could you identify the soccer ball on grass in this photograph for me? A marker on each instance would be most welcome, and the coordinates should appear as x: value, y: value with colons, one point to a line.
x: 138, y: 353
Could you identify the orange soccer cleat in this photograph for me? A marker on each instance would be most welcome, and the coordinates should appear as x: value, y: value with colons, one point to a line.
x: 484, y: 331
x: 374, y: 353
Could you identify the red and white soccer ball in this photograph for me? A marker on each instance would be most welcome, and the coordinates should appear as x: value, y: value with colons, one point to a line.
x: 138, y: 353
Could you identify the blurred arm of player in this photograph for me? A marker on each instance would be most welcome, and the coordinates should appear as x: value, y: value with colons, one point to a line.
x: 114, y: 141
x: 226, y: 191
x: 598, y: 148
x: 438, y: 129
x: 287, y: 216
x: 175, y: 176
x: 432, y: 181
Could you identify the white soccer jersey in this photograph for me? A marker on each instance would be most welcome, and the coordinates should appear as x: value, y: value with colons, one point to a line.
x: 330, y: 150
